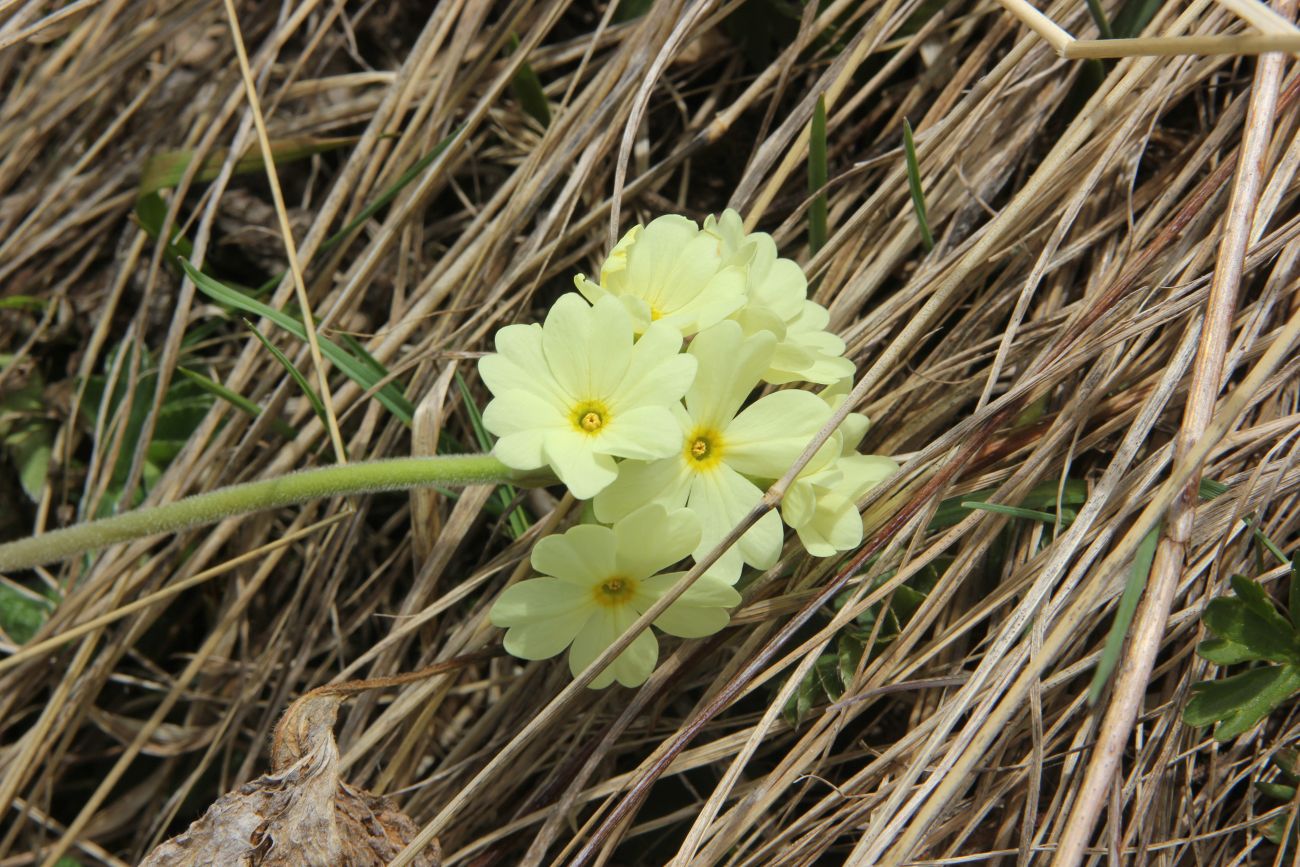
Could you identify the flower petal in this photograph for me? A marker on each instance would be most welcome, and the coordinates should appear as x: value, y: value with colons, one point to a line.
x: 722, y: 498
x: 686, y: 621
x: 639, y: 483
x: 546, y: 638
x: 658, y: 373
x: 730, y: 367
x: 645, y: 433
x: 766, y: 437
x: 653, y: 538
x: 708, y: 591
x: 631, y: 667
x: 577, y: 464
x: 537, y: 600
x: 582, y: 555
x: 520, y: 364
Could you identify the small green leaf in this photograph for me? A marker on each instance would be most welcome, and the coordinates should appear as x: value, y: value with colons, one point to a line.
x: 527, y: 88
x: 1277, y: 790
x: 1257, y: 600
x: 1221, y: 651
x: 1239, y: 702
x: 914, y: 186
x: 22, y: 302
x: 827, y: 670
x: 905, y: 603
x: 1099, y: 16
x: 1209, y: 489
x: 1238, y: 623
x: 849, y: 653
x: 1133, y: 16
x: 21, y: 615
x: 818, y: 177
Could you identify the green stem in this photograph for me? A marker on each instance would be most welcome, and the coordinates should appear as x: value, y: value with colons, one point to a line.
x: 358, y: 478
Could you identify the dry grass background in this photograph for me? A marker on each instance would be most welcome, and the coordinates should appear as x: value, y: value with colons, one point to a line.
x: 1046, y: 339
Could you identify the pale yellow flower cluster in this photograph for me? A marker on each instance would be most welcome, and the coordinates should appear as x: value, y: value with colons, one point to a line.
x: 638, y: 394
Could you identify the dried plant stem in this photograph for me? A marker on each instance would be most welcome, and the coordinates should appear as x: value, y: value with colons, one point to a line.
x: 1207, y: 375
x: 286, y: 233
x: 358, y: 478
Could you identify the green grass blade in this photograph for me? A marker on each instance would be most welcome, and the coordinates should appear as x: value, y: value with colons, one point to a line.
x: 1099, y: 16
x: 914, y: 185
x: 818, y: 176
x: 1066, y: 516
x: 1134, y: 17
x: 317, y: 404
x: 165, y: 170
x: 1137, y: 582
x: 527, y: 88
x: 357, y: 370
x: 391, y: 193
x: 22, y: 302
x: 235, y: 399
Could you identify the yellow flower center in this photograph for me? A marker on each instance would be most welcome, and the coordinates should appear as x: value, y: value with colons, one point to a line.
x: 590, y: 416
x: 703, y: 449
x: 615, y: 591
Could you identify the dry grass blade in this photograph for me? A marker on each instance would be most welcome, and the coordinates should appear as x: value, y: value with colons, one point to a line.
x: 918, y: 700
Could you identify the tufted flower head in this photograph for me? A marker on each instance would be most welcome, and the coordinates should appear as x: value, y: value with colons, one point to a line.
x: 670, y: 271
x: 577, y: 392
x: 597, y: 580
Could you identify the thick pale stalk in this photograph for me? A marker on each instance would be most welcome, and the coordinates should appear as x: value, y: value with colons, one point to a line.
x: 1207, y: 375
x: 360, y: 478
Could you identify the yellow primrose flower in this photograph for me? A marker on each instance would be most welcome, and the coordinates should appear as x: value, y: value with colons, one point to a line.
x: 577, y: 392
x: 822, y: 502
x: 597, y: 580
x: 670, y: 271
x: 776, y: 293
x: 722, y: 448
x: 822, y: 506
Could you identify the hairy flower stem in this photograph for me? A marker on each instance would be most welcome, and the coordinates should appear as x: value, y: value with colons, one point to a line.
x: 356, y: 478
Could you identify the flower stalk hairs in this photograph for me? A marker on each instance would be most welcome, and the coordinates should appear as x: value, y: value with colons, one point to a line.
x: 647, y: 392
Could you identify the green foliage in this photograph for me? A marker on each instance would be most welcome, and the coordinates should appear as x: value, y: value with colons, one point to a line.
x: 22, y: 613
x: 527, y: 88
x: 183, y: 407
x: 1248, y: 628
x: 236, y: 400
x: 165, y: 170
x: 833, y: 672
x: 818, y: 176
x: 359, y: 370
x: 26, y: 433
x: 1285, y: 761
x: 317, y: 405
x: 1137, y: 582
x: 914, y: 187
